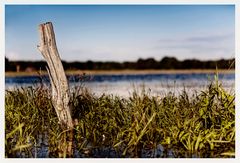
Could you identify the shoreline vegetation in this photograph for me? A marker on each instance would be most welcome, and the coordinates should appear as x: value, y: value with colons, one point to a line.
x: 166, y: 63
x: 123, y: 72
x: 200, y: 125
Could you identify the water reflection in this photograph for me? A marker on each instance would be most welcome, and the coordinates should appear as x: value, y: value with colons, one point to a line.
x: 124, y: 85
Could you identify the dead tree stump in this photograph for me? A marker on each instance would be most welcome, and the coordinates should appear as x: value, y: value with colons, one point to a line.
x: 59, y: 83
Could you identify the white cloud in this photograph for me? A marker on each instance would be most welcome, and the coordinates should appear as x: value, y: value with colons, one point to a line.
x: 12, y: 55
x: 200, y: 47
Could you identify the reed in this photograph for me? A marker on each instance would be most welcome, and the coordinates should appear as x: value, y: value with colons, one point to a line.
x: 203, y: 123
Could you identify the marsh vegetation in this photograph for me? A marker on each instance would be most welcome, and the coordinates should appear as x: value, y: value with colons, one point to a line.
x: 141, y: 125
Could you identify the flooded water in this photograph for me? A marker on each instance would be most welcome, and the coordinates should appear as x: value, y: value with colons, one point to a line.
x: 41, y: 150
x: 124, y: 85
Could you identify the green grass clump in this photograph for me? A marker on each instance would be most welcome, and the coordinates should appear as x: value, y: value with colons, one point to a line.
x: 203, y: 123
x: 29, y: 114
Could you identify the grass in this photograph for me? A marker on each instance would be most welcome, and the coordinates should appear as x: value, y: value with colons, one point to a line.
x: 202, y: 124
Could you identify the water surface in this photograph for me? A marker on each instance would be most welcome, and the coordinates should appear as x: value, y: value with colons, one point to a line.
x: 125, y: 84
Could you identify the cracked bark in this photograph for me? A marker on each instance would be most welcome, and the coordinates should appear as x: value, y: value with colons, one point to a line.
x: 59, y: 84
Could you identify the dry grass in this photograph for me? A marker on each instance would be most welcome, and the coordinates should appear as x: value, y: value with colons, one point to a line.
x: 125, y: 72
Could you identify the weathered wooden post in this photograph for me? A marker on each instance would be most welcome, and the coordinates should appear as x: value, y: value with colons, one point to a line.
x: 59, y: 83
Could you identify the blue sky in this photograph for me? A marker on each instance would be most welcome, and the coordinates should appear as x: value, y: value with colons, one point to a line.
x: 123, y: 32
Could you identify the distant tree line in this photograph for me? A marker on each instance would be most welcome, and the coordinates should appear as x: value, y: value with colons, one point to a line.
x: 150, y: 63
